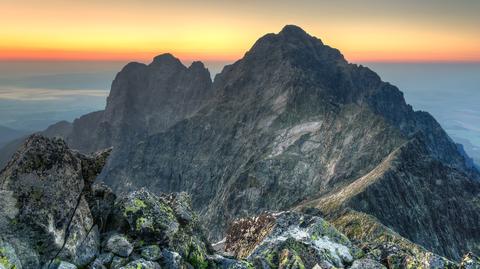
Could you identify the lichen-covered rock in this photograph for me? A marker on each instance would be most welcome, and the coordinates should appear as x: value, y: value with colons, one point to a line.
x: 291, y: 240
x: 182, y: 206
x: 146, y: 216
x: 44, y: 213
x: 8, y: 257
x: 151, y: 253
x: 142, y: 264
x: 118, y: 262
x: 164, y: 220
x: 382, y: 244
x: 119, y: 245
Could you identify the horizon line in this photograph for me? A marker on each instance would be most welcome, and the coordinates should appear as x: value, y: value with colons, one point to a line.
x: 229, y: 60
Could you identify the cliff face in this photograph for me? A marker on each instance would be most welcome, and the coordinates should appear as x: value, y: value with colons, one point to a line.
x: 290, y: 124
x: 144, y: 100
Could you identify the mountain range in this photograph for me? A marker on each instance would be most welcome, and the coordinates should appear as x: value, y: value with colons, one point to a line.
x: 290, y: 126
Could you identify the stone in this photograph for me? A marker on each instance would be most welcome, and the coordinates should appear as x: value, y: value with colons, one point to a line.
x: 151, y: 253
x: 181, y: 204
x: 44, y: 213
x: 8, y: 257
x: 101, y: 200
x: 470, y: 261
x: 102, y: 260
x: 367, y: 264
x: 142, y: 264
x: 66, y: 265
x: 146, y: 216
x: 171, y: 259
x: 119, y: 245
x: 118, y: 262
x: 289, y: 240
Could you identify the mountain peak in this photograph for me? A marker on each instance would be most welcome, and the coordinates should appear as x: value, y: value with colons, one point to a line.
x: 166, y: 59
x: 291, y: 29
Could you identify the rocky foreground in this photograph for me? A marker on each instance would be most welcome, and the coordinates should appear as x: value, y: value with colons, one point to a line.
x: 53, y: 215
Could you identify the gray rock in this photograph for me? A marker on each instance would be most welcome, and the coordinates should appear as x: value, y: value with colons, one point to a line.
x: 289, y: 239
x: 470, y: 261
x: 66, y: 265
x: 44, y: 212
x: 102, y: 260
x: 100, y: 199
x: 119, y: 245
x: 8, y: 256
x: 142, y: 264
x: 222, y: 262
x: 118, y: 262
x: 182, y: 206
x: 171, y: 259
x: 151, y: 253
x: 146, y: 216
x: 367, y: 264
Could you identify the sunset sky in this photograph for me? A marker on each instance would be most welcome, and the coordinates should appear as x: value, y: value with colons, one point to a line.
x: 433, y: 30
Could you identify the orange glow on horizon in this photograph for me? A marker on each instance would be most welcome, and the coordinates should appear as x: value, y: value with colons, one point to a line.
x: 138, y: 30
x: 355, y: 57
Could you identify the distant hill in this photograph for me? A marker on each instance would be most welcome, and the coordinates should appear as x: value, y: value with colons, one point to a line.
x: 8, y: 134
x: 472, y: 150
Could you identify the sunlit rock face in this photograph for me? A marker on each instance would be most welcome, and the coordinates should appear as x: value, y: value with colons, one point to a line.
x: 291, y: 124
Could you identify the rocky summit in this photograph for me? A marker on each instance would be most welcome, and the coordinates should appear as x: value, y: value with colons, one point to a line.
x: 291, y: 127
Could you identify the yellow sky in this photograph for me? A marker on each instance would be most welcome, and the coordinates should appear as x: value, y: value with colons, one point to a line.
x: 369, y: 30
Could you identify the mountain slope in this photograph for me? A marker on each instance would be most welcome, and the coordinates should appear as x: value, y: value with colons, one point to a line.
x: 294, y: 122
x: 144, y: 99
x: 7, y: 135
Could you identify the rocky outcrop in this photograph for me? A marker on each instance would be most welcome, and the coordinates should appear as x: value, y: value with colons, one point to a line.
x: 290, y: 240
x: 44, y: 213
x: 298, y: 240
x: 53, y: 215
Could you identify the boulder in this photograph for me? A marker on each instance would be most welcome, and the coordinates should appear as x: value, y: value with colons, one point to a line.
x: 146, y: 216
x: 142, y: 264
x: 44, y: 213
x: 151, y: 253
x: 119, y: 245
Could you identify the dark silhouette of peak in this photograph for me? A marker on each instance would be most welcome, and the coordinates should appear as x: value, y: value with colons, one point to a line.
x: 197, y: 65
x: 293, y: 32
x: 168, y: 60
x: 294, y: 44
